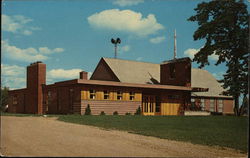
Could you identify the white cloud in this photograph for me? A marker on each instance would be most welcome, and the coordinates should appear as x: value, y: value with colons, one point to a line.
x: 125, y: 21
x: 89, y: 74
x: 191, y: 52
x: 123, y: 3
x: 125, y: 48
x: 46, y: 50
x: 13, y: 76
x: 17, y: 24
x: 218, y: 75
x: 157, y: 39
x: 28, y: 54
x: 63, y: 74
x: 139, y: 58
x: 12, y: 70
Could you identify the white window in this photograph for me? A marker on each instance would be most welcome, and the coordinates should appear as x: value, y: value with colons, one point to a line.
x: 211, y: 105
x: 202, y: 104
x: 220, y: 105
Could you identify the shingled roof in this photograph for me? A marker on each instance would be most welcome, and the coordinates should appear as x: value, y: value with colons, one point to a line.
x: 129, y: 71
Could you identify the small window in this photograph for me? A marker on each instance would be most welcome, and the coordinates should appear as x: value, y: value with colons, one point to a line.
x: 202, y: 104
x: 14, y: 101
x: 192, y: 100
x: 172, y: 71
x: 212, y: 105
x: 106, y: 94
x: 92, y: 94
x: 220, y: 105
x: 131, y: 96
x: 49, y: 94
x: 119, y: 95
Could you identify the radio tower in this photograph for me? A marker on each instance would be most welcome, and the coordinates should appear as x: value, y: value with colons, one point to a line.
x: 175, y: 43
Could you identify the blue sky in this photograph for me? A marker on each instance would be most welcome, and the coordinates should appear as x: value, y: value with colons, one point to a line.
x: 72, y: 35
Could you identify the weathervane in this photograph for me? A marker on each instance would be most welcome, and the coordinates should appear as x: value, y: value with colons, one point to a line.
x: 115, y: 42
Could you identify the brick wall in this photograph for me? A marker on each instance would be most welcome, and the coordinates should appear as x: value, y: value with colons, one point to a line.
x: 182, y: 72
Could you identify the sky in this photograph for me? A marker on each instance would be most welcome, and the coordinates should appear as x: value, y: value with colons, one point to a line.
x: 70, y: 36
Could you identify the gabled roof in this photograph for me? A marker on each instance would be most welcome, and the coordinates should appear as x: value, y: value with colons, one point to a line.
x: 134, y: 71
x: 128, y: 71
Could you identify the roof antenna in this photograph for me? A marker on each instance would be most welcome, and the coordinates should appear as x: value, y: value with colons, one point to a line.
x: 175, y: 43
x: 115, y: 42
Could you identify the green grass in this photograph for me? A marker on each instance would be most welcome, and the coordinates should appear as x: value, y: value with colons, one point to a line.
x: 224, y: 131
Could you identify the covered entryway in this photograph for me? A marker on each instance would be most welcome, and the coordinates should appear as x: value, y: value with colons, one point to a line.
x: 148, y: 104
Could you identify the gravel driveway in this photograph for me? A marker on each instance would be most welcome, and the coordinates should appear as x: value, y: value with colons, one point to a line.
x: 40, y: 136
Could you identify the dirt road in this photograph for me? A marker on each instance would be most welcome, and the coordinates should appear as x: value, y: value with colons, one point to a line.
x: 40, y: 136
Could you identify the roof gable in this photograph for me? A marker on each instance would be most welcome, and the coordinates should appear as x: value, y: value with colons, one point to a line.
x: 134, y: 71
x: 103, y: 72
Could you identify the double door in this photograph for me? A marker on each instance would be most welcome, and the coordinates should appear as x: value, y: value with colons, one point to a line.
x: 148, y: 104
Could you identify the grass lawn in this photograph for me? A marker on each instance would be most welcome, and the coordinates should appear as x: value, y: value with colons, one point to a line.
x: 224, y: 131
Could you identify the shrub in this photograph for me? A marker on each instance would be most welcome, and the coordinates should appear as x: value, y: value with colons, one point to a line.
x: 102, y: 113
x: 128, y: 113
x: 87, y: 110
x: 115, y: 113
x: 138, y: 111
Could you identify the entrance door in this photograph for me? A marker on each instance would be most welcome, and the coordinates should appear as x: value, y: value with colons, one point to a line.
x: 148, y: 104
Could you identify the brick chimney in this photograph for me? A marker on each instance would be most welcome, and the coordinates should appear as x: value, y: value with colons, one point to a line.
x: 36, y: 77
x: 83, y: 75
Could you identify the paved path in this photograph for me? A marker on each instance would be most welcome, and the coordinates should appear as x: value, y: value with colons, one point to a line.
x: 39, y: 136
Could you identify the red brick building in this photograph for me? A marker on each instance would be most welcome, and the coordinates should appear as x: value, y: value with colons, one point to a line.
x: 119, y: 85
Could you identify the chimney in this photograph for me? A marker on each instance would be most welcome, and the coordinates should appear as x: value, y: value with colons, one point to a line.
x: 83, y: 75
x: 36, y: 77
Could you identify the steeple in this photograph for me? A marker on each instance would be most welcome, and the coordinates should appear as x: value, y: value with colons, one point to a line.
x: 175, y: 44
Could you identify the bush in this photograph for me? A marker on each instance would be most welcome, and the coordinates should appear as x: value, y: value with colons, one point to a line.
x: 87, y: 110
x: 102, y: 113
x: 128, y: 113
x: 138, y: 111
x: 115, y: 113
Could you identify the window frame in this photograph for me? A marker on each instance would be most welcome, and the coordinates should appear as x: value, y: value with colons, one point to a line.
x: 119, y: 95
x: 92, y: 94
x: 131, y: 96
x: 107, y: 94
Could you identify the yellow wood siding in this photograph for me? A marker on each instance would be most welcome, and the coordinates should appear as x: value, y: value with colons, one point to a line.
x: 99, y: 95
x: 138, y: 97
x: 170, y: 108
x: 84, y: 95
x: 113, y: 95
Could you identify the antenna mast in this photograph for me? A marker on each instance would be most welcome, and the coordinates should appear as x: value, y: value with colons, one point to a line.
x: 175, y: 43
x: 115, y: 42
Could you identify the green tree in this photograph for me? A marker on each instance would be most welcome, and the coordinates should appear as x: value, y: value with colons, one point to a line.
x: 4, y: 97
x: 223, y: 24
x: 87, y: 110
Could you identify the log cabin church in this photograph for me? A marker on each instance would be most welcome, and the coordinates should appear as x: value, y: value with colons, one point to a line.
x: 169, y: 88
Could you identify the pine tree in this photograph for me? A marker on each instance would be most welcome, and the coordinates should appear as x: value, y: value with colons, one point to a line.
x: 87, y: 110
x: 224, y: 26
